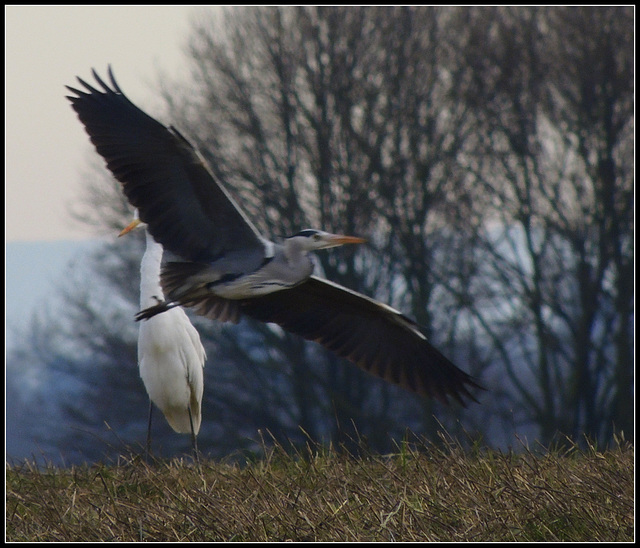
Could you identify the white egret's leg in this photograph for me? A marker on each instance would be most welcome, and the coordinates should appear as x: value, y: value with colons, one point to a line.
x: 149, y: 430
x: 194, y: 440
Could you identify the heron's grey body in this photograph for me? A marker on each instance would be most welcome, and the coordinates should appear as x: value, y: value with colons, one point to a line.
x: 233, y: 277
x: 281, y: 266
x: 229, y: 269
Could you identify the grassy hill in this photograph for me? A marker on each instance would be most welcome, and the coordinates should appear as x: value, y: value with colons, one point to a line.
x: 424, y: 493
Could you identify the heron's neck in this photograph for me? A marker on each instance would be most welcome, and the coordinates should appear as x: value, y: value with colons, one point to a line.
x: 150, y: 289
x: 298, y: 258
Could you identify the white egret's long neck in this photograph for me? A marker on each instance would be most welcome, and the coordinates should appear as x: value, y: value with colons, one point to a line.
x: 150, y: 289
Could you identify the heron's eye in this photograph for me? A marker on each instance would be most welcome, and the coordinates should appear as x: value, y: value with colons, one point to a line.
x: 316, y: 237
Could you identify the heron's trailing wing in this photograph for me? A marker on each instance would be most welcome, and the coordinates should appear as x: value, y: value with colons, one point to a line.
x: 372, y: 335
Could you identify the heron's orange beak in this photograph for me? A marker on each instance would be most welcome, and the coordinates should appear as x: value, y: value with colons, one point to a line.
x: 133, y: 224
x: 339, y: 239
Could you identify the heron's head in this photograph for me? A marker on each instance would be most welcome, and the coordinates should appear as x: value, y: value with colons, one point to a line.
x: 310, y: 240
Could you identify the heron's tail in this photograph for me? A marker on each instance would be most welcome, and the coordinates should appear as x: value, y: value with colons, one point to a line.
x: 187, y: 284
x: 179, y: 280
x: 150, y: 312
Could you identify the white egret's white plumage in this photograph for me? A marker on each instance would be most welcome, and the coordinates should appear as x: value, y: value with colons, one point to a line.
x: 229, y: 269
x: 170, y: 355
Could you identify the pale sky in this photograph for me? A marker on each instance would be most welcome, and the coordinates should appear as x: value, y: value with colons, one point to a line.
x: 46, y: 47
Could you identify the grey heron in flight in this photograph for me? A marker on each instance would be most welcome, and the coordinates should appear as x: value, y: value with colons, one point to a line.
x: 229, y: 269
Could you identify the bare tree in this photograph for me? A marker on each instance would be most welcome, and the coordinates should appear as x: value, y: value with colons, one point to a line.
x: 553, y: 90
x: 341, y: 118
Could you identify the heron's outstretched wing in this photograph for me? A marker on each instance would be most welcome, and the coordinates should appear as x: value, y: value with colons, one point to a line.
x: 374, y: 336
x: 164, y: 176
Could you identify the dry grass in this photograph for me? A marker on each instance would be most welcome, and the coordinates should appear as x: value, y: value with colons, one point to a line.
x: 419, y: 494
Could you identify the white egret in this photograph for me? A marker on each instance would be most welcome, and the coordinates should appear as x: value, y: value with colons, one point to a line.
x: 170, y: 355
x: 230, y: 269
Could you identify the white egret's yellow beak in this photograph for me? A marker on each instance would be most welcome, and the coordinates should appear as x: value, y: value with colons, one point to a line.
x: 133, y: 224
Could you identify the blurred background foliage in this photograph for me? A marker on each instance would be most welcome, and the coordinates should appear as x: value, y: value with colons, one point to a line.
x: 488, y: 156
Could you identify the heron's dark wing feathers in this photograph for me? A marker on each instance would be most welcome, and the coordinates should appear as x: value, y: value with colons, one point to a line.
x: 164, y: 176
x: 375, y: 337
